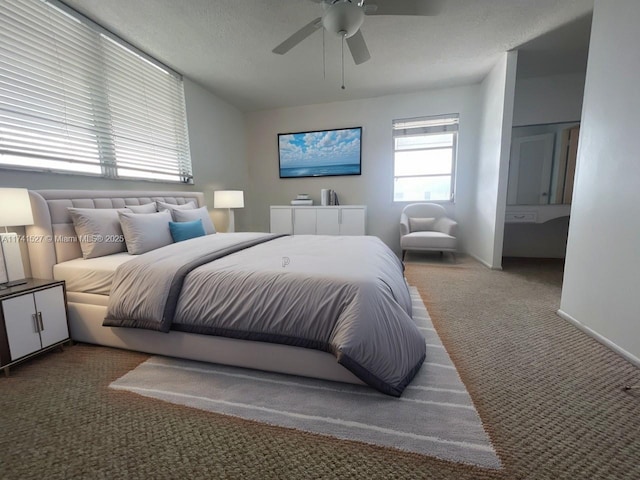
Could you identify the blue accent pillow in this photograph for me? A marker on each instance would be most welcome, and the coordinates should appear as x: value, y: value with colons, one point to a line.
x: 185, y: 230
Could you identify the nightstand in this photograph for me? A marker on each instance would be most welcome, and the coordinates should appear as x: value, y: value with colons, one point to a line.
x: 33, y: 319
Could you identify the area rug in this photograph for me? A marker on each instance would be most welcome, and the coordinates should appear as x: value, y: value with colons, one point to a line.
x: 435, y: 415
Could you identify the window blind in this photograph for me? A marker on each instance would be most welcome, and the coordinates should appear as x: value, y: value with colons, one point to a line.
x: 426, y: 125
x: 75, y: 98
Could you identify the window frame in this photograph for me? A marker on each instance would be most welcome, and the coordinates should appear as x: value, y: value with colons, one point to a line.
x: 454, y: 156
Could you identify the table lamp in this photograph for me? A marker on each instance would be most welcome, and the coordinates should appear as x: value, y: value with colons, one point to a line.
x: 15, y: 211
x: 229, y: 199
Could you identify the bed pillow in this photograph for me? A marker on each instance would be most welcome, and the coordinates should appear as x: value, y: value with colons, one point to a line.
x: 170, y: 207
x: 145, y: 232
x: 146, y: 208
x: 417, y: 224
x: 181, y: 231
x: 197, y: 214
x: 98, y: 231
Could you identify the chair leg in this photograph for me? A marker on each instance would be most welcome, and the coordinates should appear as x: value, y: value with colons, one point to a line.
x: 404, y: 252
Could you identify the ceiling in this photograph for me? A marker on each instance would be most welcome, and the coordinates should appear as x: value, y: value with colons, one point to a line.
x: 225, y: 45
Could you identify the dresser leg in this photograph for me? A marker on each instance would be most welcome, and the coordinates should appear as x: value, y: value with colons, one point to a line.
x: 6, y: 371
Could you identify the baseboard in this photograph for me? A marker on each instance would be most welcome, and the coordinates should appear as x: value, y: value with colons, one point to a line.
x: 486, y: 264
x: 605, y: 341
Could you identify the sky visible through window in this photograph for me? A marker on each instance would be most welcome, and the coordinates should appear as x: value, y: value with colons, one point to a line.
x: 423, y: 167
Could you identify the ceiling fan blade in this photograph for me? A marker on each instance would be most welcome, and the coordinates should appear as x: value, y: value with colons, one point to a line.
x: 403, y: 7
x: 299, y: 36
x: 358, y: 48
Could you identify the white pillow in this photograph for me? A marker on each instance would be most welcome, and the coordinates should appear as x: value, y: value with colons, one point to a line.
x: 98, y: 231
x: 170, y: 207
x: 146, y: 208
x: 197, y: 214
x: 145, y: 232
x: 417, y: 224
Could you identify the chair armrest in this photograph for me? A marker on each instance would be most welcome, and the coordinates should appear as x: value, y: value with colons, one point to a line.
x: 404, y: 225
x: 446, y: 225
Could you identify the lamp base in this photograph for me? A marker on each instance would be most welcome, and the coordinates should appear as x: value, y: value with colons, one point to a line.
x: 231, y: 227
x: 12, y: 259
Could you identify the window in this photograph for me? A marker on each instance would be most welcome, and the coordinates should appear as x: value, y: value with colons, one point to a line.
x: 74, y: 98
x: 424, y: 158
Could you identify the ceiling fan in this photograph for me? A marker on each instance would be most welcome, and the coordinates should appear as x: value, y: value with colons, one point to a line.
x: 345, y: 17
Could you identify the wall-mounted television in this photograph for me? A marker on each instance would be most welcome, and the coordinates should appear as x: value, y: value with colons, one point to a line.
x: 322, y: 153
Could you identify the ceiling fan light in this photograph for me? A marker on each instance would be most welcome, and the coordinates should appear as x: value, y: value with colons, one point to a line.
x: 343, y: 17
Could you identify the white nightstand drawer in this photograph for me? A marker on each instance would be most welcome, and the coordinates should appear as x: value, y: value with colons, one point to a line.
x: 521, y: 217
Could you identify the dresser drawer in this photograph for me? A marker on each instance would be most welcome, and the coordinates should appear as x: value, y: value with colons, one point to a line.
x: 521, y: 217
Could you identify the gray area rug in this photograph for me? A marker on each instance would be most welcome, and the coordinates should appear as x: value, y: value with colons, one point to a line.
x: 435, y: 416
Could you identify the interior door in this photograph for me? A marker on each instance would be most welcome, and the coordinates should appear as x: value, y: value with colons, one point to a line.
x: 572, y: 157
x: 530, y: 170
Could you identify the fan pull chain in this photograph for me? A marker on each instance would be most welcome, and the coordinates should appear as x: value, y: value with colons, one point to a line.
x: 324, y: 58
x: 343, y: 37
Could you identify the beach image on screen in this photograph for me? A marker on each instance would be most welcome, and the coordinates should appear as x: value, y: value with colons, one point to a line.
x: 317, y: 154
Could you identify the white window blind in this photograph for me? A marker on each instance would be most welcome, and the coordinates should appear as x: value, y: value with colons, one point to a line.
x: 425, y: 158
x: 74, y: 98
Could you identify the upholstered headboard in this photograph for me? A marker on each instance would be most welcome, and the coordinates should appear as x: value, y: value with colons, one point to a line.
x: 52, y: 238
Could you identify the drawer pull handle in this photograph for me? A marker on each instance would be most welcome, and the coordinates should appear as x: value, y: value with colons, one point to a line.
x: 36, y: 324
x: 40, y: 321
x: 518, y: 216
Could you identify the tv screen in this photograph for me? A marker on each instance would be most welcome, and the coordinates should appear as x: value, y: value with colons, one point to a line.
x: 321, y: 153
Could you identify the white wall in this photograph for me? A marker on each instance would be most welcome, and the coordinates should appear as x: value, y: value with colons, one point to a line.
x: 217, y: 139
x: 600, y: 289
x: 486, y: 221
x: 217, y: 142
x: 374, y: 188
x: 550, y: 99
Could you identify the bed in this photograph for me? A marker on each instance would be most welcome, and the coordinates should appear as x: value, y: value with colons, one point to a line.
x: 222, y: 267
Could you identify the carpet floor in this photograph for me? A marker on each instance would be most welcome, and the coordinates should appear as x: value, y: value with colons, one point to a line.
x: 549, y: 396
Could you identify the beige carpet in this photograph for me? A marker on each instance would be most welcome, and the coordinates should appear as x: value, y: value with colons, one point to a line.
x: 549, y: 395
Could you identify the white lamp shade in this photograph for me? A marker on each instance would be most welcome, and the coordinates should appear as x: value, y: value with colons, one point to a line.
x: 228, y: 199
x: 15, y: 207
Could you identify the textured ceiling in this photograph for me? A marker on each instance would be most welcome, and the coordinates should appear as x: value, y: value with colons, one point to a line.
x: 225, y: 45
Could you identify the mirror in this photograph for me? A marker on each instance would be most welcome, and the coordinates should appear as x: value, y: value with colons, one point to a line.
x: 542, y: 163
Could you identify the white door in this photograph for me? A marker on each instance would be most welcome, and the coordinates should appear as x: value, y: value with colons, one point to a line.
x: 281, y: 220
x: 21, y: 326
x: 530, y: 170
x: 304, y: 221
x: 50, y: 304
x: 352, y: 221
x: 327, y: 221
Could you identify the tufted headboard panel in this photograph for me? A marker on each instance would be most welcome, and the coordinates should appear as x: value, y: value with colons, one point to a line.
x: 52, y: 238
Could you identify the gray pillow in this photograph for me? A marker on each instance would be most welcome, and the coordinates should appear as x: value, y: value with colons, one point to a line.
x: 98, y: 231
x: 417, y: 224
x: 197, y: 214
x: 146, y: 208
x: 170, y: 207
x: 145, y: 232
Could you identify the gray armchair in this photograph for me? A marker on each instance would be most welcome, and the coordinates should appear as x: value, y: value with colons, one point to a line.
x: 426, y: 227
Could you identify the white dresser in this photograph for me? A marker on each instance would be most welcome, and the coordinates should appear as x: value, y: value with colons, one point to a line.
x: 331, y: 220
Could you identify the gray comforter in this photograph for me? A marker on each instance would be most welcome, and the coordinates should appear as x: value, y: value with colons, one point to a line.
x: 344, y: 295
